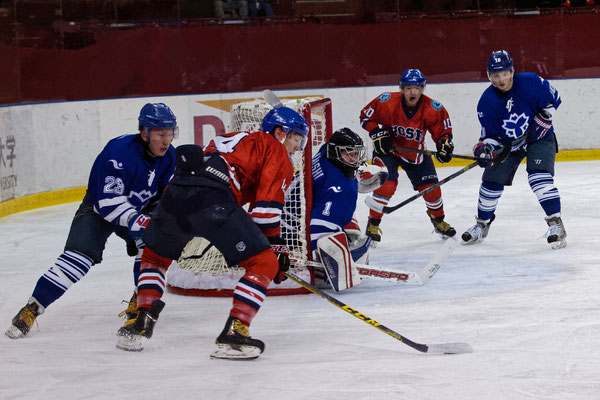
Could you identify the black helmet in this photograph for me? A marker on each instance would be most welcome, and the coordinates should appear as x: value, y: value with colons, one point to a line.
x: 346, y: 151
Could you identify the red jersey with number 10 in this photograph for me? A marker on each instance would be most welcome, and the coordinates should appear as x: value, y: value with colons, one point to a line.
x: 260, y: 170
x: 407, y: 131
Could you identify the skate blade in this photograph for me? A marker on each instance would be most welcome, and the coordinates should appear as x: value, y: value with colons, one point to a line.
x: 442, y: 235
x: 470, y: 242
x: 226, y: 352
x: 14, y: 333
x: 559, y: 244
x: 131, y: 343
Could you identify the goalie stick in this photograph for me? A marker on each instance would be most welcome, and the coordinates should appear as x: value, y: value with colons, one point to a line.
x: 417, y: 278
x: 442, y: 348
x: 374, y: 205
x: 433, y: 153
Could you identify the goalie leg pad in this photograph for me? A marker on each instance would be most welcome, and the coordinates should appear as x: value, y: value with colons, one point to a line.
x: 337, y: 261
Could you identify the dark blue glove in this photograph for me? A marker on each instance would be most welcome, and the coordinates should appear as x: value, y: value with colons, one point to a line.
x: 490, y: 154
x: 382, y: 141
x: 137, y: 224
x: 542, y: 123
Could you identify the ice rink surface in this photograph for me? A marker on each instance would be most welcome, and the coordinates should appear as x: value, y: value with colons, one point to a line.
x: 531, y: 314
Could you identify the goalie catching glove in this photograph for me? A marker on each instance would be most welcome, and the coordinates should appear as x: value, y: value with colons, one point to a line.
x: 371, y: 177
x: 282, y: 252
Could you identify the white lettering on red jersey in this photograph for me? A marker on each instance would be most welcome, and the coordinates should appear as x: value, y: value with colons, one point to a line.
x: 260, y: 170
x: 407, y: 131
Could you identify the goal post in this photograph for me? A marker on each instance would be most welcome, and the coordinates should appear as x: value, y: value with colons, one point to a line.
x: 201, y: 269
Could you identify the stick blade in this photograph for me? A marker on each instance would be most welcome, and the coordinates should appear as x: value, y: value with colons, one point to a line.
x: 373, y: 205
x: 272, y: 98
x: 449, y: 348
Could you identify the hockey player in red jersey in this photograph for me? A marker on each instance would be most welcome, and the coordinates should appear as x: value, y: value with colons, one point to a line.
x: 204, y: 198
x: 401, y: 119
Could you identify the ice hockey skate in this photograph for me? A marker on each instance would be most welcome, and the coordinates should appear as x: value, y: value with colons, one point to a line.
x: 235, y: 343
x: 556, y: 234
x: 130, y: 313
x: 135, y: 336
x: 374, y: 231
x: 24, y: 320
x: 477, y: 232
x: 441, y: 227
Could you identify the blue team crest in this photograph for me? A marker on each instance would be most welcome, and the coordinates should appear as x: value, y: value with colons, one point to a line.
x: 384, y: 97
x: 516, y: 125
x: 436, y: 105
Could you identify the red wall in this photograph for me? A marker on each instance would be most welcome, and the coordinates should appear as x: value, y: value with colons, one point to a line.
x: 157, y: 61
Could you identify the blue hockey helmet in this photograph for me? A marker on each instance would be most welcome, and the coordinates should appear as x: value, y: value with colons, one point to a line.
x: 288, y: 120
x: 499, y: 61
x: 412, y: 77
x: 157, y: 116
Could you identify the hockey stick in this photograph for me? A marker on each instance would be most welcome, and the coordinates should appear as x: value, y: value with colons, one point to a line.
x: 272, y: 98
x: 417, y: 278
x: 374, y: 205
x: 443, y: 348
x: 433, y: 153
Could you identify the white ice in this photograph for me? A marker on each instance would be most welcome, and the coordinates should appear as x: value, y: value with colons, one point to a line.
x: 531, y: 314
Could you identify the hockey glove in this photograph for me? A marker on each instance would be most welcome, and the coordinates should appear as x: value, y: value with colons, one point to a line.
x: 282, y: 252
x: 371, y: 177
x: 137, y: 224
x: 490, y: 153
x: 382, y: 141
x: 445, y: 147
x: 542, y: 123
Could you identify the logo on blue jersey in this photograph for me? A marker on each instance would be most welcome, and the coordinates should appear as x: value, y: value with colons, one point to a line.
x: 241, y: 246
x: 143, y: 196
x: 509, y: 104
x: 151, y: 176
x: 336, y: 189
x: 116, y: 164
x: 516, y: 125
x: 384, y: 97
x: 436, y: 105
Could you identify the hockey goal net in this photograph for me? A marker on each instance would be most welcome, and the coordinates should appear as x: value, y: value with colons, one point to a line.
x: 201, y: 270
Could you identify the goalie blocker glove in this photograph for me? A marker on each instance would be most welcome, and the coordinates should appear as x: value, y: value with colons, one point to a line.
x: 382, y: 141
x: 282, y: 252
x: 445, y: 147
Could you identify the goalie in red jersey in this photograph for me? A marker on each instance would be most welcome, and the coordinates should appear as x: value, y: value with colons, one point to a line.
x: 401, y: 119
x: 205, y: 199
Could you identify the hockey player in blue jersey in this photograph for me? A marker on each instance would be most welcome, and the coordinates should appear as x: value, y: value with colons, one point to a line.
x: 515, y: 113
x: 335, y: 239
x: 125, y: 183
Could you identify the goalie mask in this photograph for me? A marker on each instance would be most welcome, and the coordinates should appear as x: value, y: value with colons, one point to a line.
x: 346, y: 151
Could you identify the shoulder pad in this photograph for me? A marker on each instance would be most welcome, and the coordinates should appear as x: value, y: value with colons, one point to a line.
x: 436, y: 105
x: 384, y: 97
